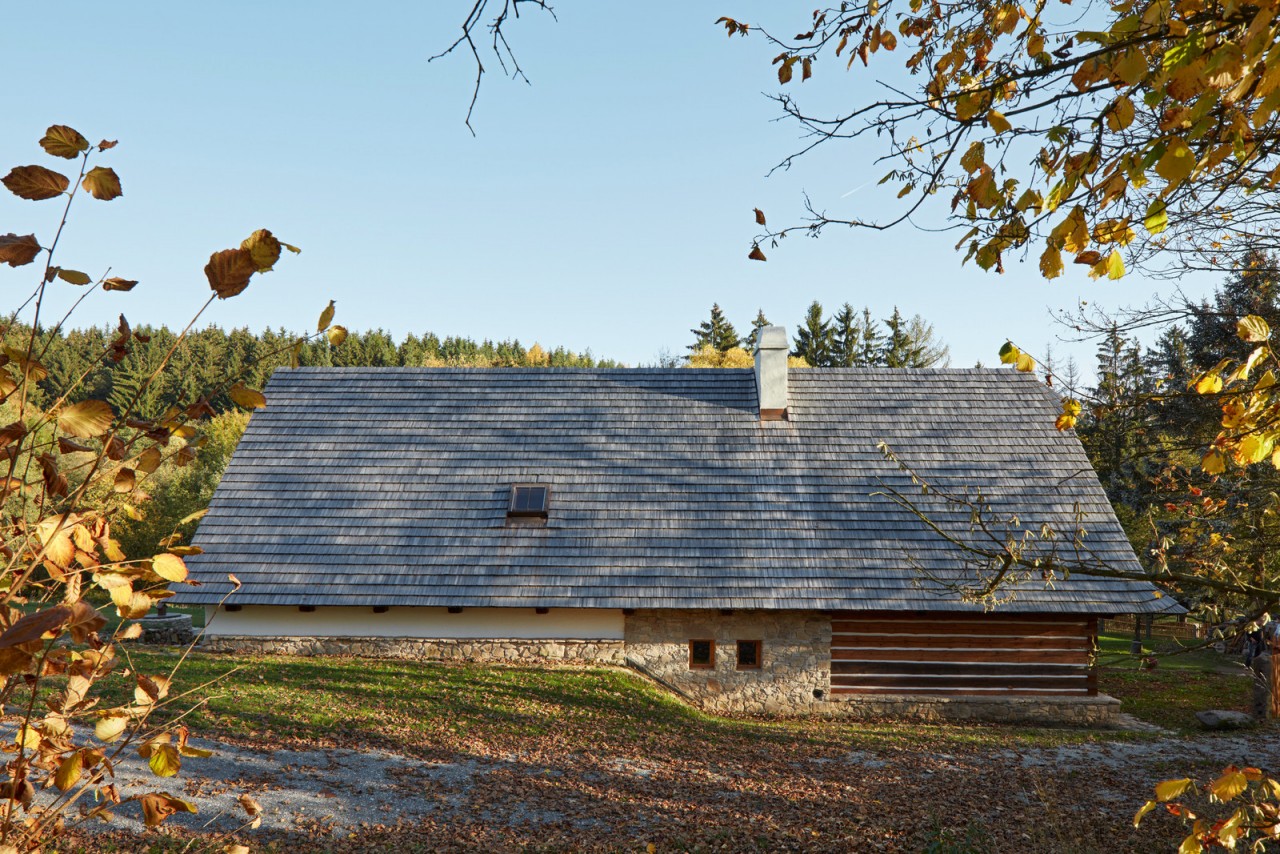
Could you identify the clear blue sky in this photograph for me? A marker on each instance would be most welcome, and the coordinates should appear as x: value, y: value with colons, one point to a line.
x: 605, y: 207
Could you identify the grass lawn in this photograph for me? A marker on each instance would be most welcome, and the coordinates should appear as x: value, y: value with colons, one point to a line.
x: 625, y: 763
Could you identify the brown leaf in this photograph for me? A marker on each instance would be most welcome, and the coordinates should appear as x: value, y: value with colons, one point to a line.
x: 115, y: 449
x: 55, y: 482
x: 126, y: 480
x: 85, y: 620
x: 102, y: 183
x: 756, y: 254
x: 71, y: 446
x: 1088, y: 257
x: 106, y: 145
x: 115, y: 283
x: 33, y: 626
x: 148, y: 461
x: 36, y: 183
x: 62, y: 141
x: 157, y: 806
x: 228, y: 271
x: 759, y: 217
x: 18, y: 250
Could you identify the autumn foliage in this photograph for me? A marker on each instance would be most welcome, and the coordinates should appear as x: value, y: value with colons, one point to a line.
x: 72, y: 470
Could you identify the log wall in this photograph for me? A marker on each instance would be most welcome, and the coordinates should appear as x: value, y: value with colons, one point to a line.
x: 962, y: 654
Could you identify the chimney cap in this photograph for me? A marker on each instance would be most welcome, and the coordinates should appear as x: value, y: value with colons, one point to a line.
x: 772, y: 338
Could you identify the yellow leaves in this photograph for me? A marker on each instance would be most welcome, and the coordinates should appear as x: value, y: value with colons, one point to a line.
x: 1025, y: 363
x: 27, y: 737
x: 1120, y: 114
x: 1114, y: 231
x: 968, y: 105
x: 246, y: 397
x: 17, y: 251
x: 1112, y: 266
x: 170, y: 567
x: 326, y: 317
x: 998, y: 122
x: 974, y: 158
x: 69, y: 771
x: 1051, y: 266
x: 1230, y: 784
x: 1190, y: 845
x: 1009, y: 353
x: 336, y: 335
x: 1072, y: 234
x: 35, y: 183
x: 102, y: 183
x: 1142, y: 811
x: 264, y: 249
x: 1213, y: 462
x: 148, y: 461
x: 1252, y: 328
x: 1170, y: 789
x: 1070, y: 412
x: 1157, y: 219
x: 86, y: 419
x: 1177, y: 163
x: 110, y: 726
x: 74, y: 277
x: 65, y: 142
x: 1255, y: 448
x: 1131, y: 67
x: 163, y: 758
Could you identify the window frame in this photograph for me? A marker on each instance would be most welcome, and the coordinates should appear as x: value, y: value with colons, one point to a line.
x: 759, y: 648
x: 513, y: 513
x: 711, y: 665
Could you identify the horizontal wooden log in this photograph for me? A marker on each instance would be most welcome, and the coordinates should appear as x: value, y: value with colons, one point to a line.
x: 936, y: 617
x: 935, y: 692
x: 945, y: 668
x: 975, y: 627
x: 1049, y: 656
x: 842, y: 640
x: 903, y: 681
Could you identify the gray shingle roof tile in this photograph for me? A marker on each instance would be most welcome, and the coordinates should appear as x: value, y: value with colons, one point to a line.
x: 366, y: 486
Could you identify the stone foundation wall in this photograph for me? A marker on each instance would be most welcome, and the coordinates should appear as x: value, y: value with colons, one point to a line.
x: 1098, y: 710
x: 170, y: 630
x: 502, y: 651
x: 795, y: 656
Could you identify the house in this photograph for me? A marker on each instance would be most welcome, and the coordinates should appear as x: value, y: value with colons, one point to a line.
x: 727, y: 532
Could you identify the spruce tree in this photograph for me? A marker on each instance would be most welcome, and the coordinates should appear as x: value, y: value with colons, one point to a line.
x: 754, y: 338
x: 870, y: 342
x: 716, y: 332
x: 813, y: 339
x: 845, y: 338
x: 897, y: 344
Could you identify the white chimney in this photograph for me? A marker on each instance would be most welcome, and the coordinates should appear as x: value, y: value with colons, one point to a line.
x: 772, y: 349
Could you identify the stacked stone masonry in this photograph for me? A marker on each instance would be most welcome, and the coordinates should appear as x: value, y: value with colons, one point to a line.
x: 795, y: 673
x: 503, y: 651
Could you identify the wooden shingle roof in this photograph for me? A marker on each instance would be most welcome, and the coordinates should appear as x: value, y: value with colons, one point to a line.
x: 360, y: 486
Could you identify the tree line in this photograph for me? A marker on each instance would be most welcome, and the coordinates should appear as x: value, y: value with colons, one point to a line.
x: 209, y: 356
x: 848, y: 339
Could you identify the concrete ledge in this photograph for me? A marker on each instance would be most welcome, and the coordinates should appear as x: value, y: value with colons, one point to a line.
x: 170, y: 630
x: 490, y: 651
x: 1096, y: 711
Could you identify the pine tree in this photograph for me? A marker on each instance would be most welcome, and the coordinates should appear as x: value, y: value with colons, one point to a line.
x: 813, y: 339
x: 717, y: 332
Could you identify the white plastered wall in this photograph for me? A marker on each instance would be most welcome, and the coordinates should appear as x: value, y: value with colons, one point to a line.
x: 476, y: 623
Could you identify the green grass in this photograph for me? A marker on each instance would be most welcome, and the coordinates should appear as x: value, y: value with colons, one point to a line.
x: 1170, y: 653
x: 437, y: 709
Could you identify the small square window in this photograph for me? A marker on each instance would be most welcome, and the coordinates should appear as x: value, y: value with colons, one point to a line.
x: 702, y: 654
x: 749, y: 654
x: 528, y: 499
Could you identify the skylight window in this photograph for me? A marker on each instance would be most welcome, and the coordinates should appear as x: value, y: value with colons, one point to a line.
x: 528, y: 499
